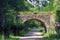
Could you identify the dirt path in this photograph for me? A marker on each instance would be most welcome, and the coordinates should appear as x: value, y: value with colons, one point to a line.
x: 34, y: 34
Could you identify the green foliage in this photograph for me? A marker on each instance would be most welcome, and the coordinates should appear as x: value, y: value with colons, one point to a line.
x: 54, y: 36
x: 18, y: 5
x: 32, y: 23
x: 57, y: 5
x: 58, y: 16
x: 49, y: 7
x: 9, y: 11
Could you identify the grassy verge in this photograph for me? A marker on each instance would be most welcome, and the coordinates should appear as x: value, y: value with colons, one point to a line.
x: 35, y: 12
x: 54, y: 36
x: 10, y: 38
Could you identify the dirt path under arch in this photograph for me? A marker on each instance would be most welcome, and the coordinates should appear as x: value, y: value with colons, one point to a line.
x: 33, y: 34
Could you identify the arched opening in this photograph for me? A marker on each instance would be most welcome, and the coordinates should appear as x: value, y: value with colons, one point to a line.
x: 34, y: 23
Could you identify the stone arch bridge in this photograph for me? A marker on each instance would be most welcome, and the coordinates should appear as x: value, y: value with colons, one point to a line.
x: 47, y: 19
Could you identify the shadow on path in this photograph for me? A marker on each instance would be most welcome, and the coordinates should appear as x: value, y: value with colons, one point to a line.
x: 33, y: 34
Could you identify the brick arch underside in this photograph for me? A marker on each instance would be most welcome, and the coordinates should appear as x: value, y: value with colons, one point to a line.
x: 45, y: 24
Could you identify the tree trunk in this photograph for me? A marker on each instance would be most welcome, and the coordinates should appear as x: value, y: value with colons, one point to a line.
x: 3, y: 23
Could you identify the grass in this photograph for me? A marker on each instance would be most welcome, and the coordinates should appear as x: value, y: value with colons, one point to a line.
x: 54, y: 36
x: 10, y: 38
x: 35, y: 12
x: 1, y: 37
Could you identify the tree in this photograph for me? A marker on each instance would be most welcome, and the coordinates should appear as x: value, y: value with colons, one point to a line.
x: 32, y: 23
x: 9, y: 8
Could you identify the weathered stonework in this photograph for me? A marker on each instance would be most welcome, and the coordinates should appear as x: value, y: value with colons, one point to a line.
x: 47, y: 19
